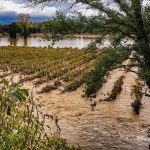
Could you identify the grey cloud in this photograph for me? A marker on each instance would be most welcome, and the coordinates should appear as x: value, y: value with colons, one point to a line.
x: 19, y: 1
x: 8, y: 17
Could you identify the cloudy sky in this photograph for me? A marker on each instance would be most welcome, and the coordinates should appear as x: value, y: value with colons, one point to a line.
x: 9, y: 9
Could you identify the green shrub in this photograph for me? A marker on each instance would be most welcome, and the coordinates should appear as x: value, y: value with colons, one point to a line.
x: 146, y: 76
x: 117, y: 88
x: 137, y: 93
x: 106, y: 61
x: 19, y: 128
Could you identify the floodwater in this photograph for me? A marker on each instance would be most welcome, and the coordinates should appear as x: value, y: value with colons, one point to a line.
x: 112, y: 126
x: 73, y: 42
x: 78, y: 42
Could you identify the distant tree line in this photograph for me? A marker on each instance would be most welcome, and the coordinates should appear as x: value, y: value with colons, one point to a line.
x: 5, y: 29
x: 79, y: 24
x: 60, y: 25
x: 23, y: 27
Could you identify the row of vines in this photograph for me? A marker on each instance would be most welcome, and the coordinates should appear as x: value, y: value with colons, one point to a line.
x: 66, y: 68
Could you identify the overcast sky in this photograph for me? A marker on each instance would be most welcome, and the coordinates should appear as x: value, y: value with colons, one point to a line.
x: 9, y: 9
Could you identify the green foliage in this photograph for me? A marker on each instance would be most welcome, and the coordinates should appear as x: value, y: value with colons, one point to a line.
x: 137, y: 94
x: 106, y: 61
x: 60, y: 26
x: 13, y: 30
x: 145, y: 74
x: 15, y: 92
x: 117, y: 88
x: 54, y: 29
x: 24, y: 22
x: 23, y: 27
x: 23, y: 128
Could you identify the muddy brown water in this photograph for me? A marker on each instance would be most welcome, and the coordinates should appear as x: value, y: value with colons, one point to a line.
x: 111, y: 126
x: 73, y: 42
x: 78, y: 42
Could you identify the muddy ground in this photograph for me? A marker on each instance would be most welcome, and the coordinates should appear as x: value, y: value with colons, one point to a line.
x: 111, y: 126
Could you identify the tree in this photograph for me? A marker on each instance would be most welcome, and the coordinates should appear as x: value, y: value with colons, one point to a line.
x: 61, y: 25
x: 129, y: 20
x: 13, y: 30
x: 24, y: 21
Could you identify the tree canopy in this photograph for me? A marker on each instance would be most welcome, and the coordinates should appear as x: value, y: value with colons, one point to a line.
x: 62, y: 25
x: 128, y: 20
x: 24, y: 21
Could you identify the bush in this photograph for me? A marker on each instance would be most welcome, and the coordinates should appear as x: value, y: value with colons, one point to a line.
x: 107, y: 60
x: 19, y: 128
x: 146, y: 76
x: 117, y: 88
x: 137, y: 94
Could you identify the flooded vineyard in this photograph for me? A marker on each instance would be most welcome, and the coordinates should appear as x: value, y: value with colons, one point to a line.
x: 57, y: 78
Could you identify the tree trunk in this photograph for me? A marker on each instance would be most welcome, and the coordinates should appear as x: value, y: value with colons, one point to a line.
x: 12, y: 32
x: 25, y: 32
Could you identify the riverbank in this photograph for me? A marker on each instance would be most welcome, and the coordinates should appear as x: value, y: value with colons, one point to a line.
x: 67, y: 36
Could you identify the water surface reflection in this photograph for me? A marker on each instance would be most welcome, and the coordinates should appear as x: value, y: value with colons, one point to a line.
x: 39, y: 42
